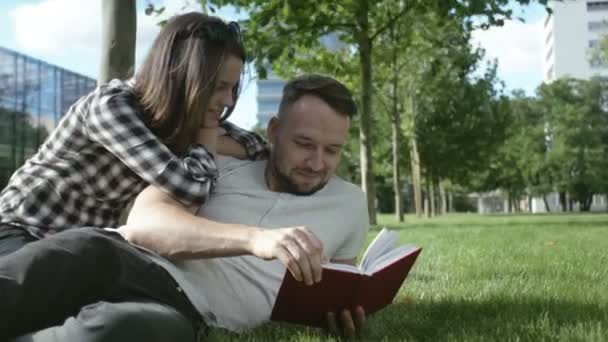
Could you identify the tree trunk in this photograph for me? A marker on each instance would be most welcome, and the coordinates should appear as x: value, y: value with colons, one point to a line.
x: 119, y: 22
x: 431, y: 192
x: 415, y: 163
x: 425, y: 203
x: 442, y: 199
x: 547, y: 208
x: 365, y: 64
x: 562, y: 201
x: 118, y: 35
x: 450, y: 202
x: 396, y: 171
x: 585, y: 204
x: 396, y: 136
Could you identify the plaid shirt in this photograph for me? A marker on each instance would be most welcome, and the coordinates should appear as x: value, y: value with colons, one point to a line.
x: 100, y: 156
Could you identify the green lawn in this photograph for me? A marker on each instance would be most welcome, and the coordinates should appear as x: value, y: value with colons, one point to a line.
x: 489, y: 278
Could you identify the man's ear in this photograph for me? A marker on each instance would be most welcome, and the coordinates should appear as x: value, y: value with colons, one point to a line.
x: 272, y: 129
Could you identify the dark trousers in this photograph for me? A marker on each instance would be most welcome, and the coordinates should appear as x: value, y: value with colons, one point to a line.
x: 12, y: 238
x: 88, y: 284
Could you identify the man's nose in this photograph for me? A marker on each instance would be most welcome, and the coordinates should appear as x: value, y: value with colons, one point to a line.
x: 315, y: 161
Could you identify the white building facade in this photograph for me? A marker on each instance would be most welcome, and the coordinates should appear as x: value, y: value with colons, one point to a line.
x: 570, y: 32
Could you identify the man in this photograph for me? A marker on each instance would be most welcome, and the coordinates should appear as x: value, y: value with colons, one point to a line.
x: 295, y: 187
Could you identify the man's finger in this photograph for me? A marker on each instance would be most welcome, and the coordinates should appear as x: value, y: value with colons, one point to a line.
x: 332, y: 324
x: 301, y: 258
x: 314, y: 250
x: 359, y: 318
x: 287, y: 259
x: 313, y: 254
x: 348, y: 326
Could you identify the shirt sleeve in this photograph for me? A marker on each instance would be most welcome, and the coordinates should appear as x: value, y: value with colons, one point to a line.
x: 255, y: 146
x: 112, y: 121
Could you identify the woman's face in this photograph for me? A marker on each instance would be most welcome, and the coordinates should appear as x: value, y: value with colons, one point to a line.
x: 221, y: 97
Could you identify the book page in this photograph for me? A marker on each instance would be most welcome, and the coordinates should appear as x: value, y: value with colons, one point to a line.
x: 341, y: 267
x: 382, y: 243
x: 388, y: 258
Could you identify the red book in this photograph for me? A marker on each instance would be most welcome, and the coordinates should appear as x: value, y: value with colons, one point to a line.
x: 373, y: 284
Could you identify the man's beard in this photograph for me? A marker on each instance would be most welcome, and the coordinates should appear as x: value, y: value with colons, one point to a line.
x: 286, y: 184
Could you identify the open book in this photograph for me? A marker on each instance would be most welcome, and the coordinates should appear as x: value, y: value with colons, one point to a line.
x: 372, y: 284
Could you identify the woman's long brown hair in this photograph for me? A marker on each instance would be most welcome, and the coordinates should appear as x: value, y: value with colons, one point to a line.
x: 179, y: 75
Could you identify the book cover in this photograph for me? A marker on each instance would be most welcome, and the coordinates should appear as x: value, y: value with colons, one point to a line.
x: 344, y: 289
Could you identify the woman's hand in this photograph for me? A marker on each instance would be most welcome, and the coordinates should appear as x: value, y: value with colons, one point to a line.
x: 209, y: 138
x: 229, y: 147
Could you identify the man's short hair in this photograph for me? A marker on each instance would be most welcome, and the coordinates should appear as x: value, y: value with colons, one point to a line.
x: 332, y: 92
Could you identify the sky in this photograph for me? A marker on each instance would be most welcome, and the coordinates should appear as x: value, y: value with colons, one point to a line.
x: 67, y: 33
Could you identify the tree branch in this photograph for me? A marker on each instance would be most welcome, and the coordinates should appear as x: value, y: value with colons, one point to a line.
x: 390, y: 22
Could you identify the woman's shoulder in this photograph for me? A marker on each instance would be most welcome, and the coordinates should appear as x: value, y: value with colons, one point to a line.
x: 114, y: 94
x: 116, y: 88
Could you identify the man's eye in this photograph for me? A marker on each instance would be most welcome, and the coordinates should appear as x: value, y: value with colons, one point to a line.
x: 305, y: 145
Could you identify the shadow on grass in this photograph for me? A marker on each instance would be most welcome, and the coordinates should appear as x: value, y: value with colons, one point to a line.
x: 499, y: 319
x: 495, y: 320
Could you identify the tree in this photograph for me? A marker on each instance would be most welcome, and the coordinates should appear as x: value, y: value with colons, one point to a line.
x: 278, y: 28
x: 577, y: 135
x: 118, y: 34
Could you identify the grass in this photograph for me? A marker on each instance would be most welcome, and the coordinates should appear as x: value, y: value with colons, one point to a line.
x: 489, y: 278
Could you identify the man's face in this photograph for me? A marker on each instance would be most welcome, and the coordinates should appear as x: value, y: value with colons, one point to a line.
x: 307, y: 145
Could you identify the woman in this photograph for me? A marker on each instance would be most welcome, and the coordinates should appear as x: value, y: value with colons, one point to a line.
x: 160, y: 128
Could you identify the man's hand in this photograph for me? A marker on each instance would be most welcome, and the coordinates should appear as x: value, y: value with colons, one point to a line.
x: 347, y: 324
x: 298, y: 248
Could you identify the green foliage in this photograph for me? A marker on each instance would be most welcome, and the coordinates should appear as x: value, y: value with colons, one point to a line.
x: 555, y: 142
x: 577, y: 133
x: 458, y: 118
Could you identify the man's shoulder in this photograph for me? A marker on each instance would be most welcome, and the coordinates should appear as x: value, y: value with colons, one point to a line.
x: 340, y: 186
x: 227, y: 164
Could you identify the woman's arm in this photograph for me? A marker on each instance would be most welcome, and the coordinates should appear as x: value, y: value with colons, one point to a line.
x: 112, y: 120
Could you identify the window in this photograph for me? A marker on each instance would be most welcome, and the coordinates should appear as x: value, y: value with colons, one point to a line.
x: 597, y: 6
x: 596, y: 63
x: 593, y: 43
x: 597, y: 25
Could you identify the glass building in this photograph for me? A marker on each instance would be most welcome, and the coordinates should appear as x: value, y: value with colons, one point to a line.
x: 33, y: 97
x: 270, y: 91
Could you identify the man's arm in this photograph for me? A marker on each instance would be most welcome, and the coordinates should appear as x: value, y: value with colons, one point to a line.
x: 162, y: 224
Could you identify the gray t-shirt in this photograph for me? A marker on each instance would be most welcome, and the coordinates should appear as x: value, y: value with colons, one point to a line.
x: 239, y: 292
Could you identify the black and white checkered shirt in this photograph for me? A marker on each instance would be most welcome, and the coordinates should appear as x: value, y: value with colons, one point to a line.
x: 100, y: 156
